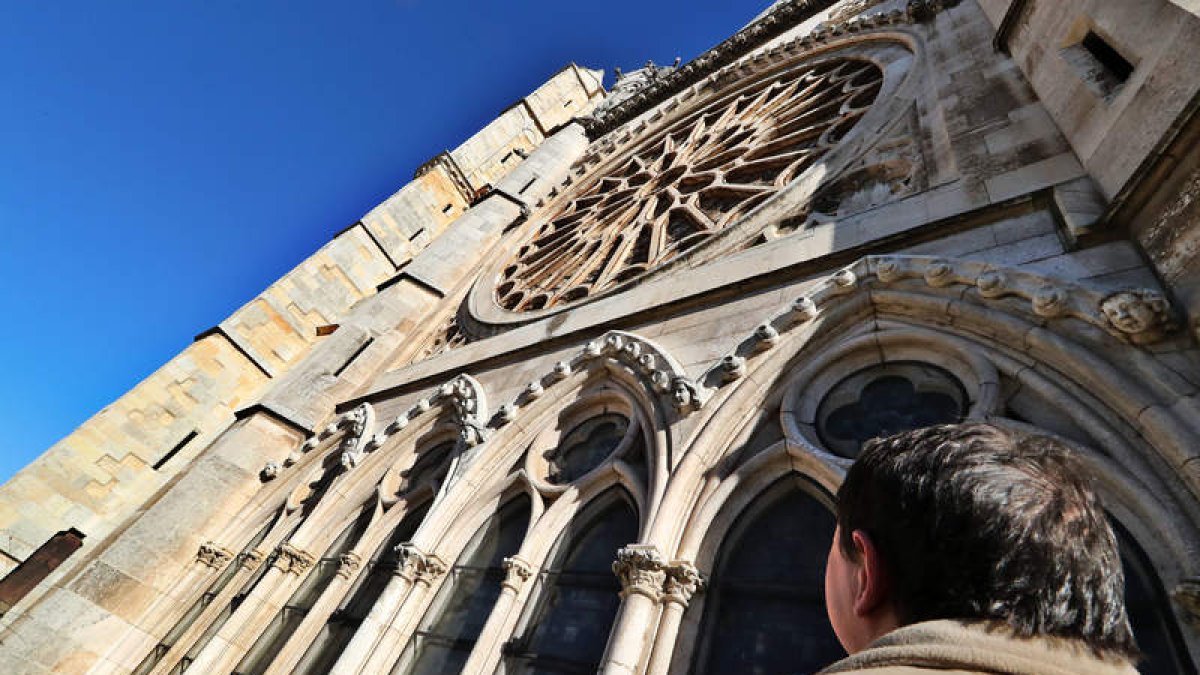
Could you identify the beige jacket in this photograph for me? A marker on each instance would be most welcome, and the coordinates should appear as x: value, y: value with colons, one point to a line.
x: 955, y: 648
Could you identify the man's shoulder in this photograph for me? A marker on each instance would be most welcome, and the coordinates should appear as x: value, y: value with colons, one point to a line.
x: 954, y: 647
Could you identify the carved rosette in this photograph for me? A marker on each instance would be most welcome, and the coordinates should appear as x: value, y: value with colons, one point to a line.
x: 291, y: 560
x: 516, y: 573
x: 212, y: 555
x: 348, y: 564
x: 641, y: 571
x: 682, y: 581
x: 1187, y: 597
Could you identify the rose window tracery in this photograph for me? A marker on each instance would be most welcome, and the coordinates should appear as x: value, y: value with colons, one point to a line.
x: 688, y: 182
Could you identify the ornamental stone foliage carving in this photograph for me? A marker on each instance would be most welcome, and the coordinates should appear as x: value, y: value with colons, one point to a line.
x: 465, y: 399
x: 648, y: 361
x: 682, y: 581
x: 291, y: 560
x: 213, y: 555
x: 348, y: 564
x: 250, y: 560
x: 641, y: 570
x: 516, y: 573
x: 688, y: 182
x: 416, y: 565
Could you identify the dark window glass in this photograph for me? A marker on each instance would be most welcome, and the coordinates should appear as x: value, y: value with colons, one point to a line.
x: 579, y: 595
x: 765, y: 610
x: 586, y: 446
x: 325, y: 650
x: 33, y: 570
x: 1150, y: 614
x: 449, y: 632
x: 887, y: 399
x: 268, y: 645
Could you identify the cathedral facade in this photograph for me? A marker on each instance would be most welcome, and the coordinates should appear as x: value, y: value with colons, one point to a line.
x: 577, y: 398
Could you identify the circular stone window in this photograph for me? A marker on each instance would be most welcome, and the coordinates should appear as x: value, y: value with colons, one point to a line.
x: 688, y: 182
x: 888, y: 399
x: 586, y: 447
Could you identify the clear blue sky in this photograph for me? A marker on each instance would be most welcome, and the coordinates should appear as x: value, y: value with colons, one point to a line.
x: 163, y: 162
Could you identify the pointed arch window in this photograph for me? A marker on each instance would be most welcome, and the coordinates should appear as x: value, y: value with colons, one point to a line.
x: 449, y: 631
x: 289, y: 618
x: 765, y: 610
x: 338, y: 631
x: 578, y: 595
x: 1149, y: 609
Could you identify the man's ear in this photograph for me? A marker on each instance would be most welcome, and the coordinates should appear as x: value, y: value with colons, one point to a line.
x: 874, y: 588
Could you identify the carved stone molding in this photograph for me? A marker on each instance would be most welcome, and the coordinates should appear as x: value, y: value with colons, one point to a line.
x: 348, y: 564
x: 292, y: 560
x: 355, y: 424
x: 682, y: 582
x: 1187, y: 597
x: 516, y: 573
x: 641, y: 570
x: 465, y: 399
x: 213, y: 555
x: 1134, y: 316
x: 648, y: 361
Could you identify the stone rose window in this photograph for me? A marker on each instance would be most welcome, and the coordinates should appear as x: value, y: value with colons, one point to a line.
x: 688, y: 182
x: 888, y: 399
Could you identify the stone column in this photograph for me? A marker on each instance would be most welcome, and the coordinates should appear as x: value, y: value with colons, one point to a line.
x: 682, y: 581
x: 318, y: 615
x: 383, y: 613
x: 640, y: 569
x: 288, y: 565
x: 1187, y: 597
x: 517, y: 573
x: 425, y: 570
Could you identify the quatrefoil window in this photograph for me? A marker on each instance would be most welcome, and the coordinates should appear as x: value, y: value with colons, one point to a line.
x: 688, y: 182
x: 586, y: 447
x: 888, y: 399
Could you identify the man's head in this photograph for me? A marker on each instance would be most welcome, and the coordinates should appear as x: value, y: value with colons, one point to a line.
x: 974, y: 522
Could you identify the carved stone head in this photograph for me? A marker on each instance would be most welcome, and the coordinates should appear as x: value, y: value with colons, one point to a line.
x: 1140, y: 313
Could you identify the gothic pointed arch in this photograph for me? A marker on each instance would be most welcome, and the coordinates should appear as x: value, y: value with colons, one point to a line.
x: 576, y: 595
x: 446, y: 636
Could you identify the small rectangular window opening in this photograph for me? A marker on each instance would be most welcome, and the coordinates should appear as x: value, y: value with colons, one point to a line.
x: 416, y: 234
x: 507, y: 156
x: 1101, y: 66
x: 162, y: 461
x: 568, y: 103
x: 447, y: 208
x: 34, y: 569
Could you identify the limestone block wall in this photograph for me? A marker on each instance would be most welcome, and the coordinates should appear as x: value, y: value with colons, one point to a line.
x: 103, y: 471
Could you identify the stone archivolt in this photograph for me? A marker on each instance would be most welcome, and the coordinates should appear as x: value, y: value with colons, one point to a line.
x: 689, y: 182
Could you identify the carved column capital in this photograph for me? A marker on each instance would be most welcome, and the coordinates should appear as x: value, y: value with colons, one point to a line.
x: 252, y: 559
x: 348, y: 564
x: 683, y: 581
x: 1187, y: 596
x: 418, y: 566
x: 292, y: 560
x: 212, y: 555
x: 516, y: 573
x: 640, y: 569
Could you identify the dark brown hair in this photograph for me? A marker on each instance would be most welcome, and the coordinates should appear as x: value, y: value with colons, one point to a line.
x: 976, y: 522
